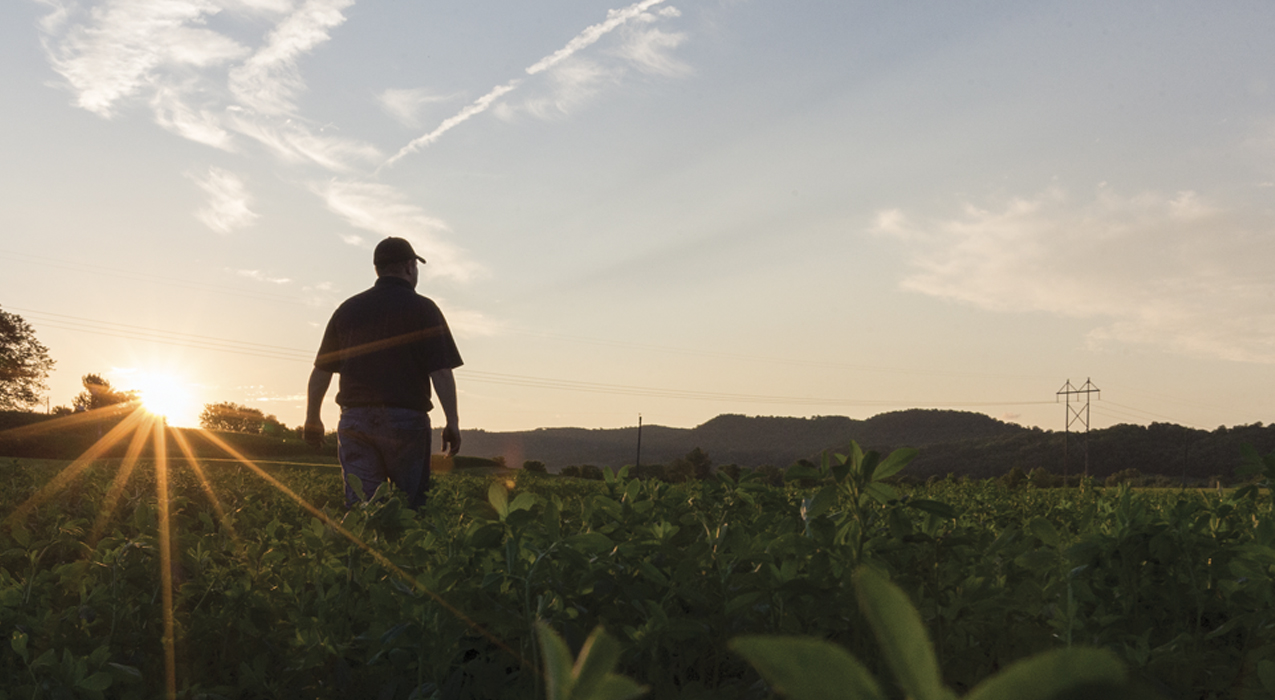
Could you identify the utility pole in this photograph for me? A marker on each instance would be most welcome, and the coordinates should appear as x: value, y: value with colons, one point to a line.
x: 1079, y: 414
x: 638, y: 463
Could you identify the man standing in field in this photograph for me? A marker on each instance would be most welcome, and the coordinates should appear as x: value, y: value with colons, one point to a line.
x: 388, y: 344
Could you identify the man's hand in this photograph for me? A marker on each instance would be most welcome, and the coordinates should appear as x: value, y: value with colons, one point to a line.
x: 451, y: 440
x: 314, y: 432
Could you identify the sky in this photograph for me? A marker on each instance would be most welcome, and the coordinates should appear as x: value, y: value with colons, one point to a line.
x: 667, y: 209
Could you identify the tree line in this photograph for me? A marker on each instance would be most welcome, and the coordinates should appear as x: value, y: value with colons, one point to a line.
x: 24, y: 370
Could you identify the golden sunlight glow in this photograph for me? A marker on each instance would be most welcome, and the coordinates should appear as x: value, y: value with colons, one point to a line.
x: 168, y: 396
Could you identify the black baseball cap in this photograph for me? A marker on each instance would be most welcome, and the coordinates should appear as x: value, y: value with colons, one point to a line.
x: 394, y: 250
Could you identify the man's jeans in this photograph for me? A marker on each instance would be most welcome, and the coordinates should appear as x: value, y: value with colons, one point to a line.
x: 376, y: 443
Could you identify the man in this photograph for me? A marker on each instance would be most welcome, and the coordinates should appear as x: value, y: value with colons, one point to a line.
x: 388, y: 344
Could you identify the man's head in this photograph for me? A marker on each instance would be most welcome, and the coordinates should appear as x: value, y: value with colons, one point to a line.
x: 394, y: 257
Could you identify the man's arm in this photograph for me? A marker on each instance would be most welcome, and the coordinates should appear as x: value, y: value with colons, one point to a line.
x: 315, y: 391
x: 445, y: 388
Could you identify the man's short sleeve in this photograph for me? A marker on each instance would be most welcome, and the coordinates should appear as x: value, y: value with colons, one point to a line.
x: 329, y: 357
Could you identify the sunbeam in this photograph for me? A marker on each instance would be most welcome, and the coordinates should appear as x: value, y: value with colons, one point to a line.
x: 184, y: 445
x: 72, y: 470
x: 121, y: 478
x: 380, y: 558
x: 165, y: 557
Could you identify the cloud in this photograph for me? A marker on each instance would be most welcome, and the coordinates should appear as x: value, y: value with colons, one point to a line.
x: 615, y: 19
x: 295, y: 143
x: 128, y: 44
x: 572, y: 83
x: 404, y: 105
x: 268, y: 81
x: 172, y: 112
x: 478, y: 107
x: 1171, y: 271
x: 228, y: 200
x: 649, y: 49
x: 261, y: 276
x: 382, y: 210
x: 159, y: 50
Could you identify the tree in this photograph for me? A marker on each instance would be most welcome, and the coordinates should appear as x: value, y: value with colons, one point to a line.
x: 274, y: 427
x: 24, y: 364
x: 534, y: 465
x: 231, y: 417
x: 98, y: 393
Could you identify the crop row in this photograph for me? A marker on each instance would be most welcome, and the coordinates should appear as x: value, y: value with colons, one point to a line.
x: 271, y: 598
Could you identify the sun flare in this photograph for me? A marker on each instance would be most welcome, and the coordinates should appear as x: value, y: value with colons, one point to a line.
x: 166, y: 395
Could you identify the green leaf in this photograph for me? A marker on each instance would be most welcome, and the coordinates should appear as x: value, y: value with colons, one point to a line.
x: 897, y: 460
x: 1053, y: 673
x: 498, y: 497
x: 1037, y: 559
x: 590, y: 543
x: 19, y: 643
x: 820, y: 502
x: 45, y: 660
x: 902, y: 637
x: 1266, y: 674
x: 97, y: 682
x: 557, y: 661
x: 868, y: 465
x: 615, y: 687
x: 21, y: 536
x: 802, y: 668
x: 1044, y: 530
x: 882, y: 493
x: 523, y: 501
x: 597, y: 657
x: 938, y: 508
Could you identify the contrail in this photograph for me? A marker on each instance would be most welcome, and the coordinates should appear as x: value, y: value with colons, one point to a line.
x: 589, y: 36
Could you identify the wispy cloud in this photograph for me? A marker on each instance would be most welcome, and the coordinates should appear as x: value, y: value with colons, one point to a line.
x: 269, y: 81
x: 228, y: 200
x: 1171, y: 271
x: 294, y: 142
x: 160, y: 51
x: 404, y: 105
x: 383, y: 210
x: 126, y: 45
x: 650, y: 51
x: 260, y: 276
x: 615, y: 19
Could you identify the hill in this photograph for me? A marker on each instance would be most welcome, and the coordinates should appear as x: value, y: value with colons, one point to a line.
x: 956, y: 442
x: 735, y: 439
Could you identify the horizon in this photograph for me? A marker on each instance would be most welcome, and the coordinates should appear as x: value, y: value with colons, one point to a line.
x: 654, y: 208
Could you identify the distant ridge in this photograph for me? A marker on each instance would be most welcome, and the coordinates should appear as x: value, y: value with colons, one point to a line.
x: 957, y: 442
x: 748, y: 441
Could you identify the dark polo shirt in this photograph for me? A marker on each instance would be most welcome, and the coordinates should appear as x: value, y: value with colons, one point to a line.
x: 384, y: 343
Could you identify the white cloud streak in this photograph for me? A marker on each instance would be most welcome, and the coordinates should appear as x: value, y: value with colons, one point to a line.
x: 128, y: 42
x: 228, y: 200
x: 1173, y: 272
x: 588, y: 37
x: 478, y: 107
x: 127, y: 48
x: 381, y: 209
x: 269, y: 81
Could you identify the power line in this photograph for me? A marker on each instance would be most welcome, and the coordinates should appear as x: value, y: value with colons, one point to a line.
x: 151, y: 279
x: 238, y: 347
x: 274, y: 297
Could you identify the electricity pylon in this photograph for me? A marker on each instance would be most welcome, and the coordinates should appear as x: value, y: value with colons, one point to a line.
x: 1079, y: 414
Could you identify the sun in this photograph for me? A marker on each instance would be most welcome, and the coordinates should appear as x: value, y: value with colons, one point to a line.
x: 166, y: 395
